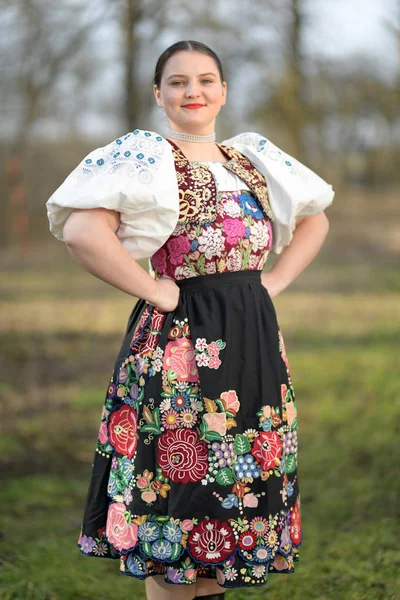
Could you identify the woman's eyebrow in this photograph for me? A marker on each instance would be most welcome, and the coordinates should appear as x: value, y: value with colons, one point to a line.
x: 180, y: 75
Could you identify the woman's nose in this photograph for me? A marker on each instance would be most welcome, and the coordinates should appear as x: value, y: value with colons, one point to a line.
x: 192, y: 90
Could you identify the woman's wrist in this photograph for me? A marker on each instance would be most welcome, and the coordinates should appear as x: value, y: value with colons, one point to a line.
x: 273, y: 282
x: 152, y: 292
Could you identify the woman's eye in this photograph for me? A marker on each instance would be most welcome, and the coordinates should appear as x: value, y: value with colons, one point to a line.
x: 176, y: 82
x: 207, y: 81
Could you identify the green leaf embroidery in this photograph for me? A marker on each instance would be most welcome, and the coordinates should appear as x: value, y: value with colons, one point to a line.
x: 212, y: 436
x: 176, y: 550
x: 157, y: 417
x: 290, y: 463
x: 150, y: 428
x: 241, y: 444
x: 220, y: 404
x: 146, y: 547
x: 171, y: 375
x: 203, y: 429
x: 288, y: 396
x: 225, y: 476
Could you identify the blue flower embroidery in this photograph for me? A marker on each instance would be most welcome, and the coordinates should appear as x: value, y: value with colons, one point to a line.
x: 148, y: 532
x: 136, y: 565
x: 249, y: 205
x: 180, y: 401
x: 172, y: 532
x: 161, y: 549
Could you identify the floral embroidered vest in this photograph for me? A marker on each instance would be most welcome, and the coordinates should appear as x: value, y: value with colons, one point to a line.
x: 216, y: 231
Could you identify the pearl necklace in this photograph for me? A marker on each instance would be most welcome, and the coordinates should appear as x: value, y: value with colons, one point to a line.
x: 190, y: 137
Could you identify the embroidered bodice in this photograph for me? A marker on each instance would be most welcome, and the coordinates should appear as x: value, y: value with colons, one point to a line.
x: 224, y: 222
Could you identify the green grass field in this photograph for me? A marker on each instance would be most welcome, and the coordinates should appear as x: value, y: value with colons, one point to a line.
x: 60, y: 334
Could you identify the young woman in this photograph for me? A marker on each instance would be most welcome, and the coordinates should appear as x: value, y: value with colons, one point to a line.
x: 195, y: 485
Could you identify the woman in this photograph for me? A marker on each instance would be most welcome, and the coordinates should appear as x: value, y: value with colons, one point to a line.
x: 194, y: 478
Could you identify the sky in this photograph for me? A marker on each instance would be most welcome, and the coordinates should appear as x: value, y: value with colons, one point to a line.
x: 343, y: 28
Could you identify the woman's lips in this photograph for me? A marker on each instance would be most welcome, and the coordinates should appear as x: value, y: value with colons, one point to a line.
x: 193, y: 106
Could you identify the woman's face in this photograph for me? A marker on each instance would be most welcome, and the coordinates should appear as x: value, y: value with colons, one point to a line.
x: 191, y: 92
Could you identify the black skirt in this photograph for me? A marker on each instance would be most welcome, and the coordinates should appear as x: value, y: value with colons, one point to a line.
x: 195, y: 468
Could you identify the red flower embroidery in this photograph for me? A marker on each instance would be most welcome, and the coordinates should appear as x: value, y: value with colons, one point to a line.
x: 295, y: 524
x: 150, y: 334
x: 211, y: 541
x: 267, y: 449
x: 247, y: 540
x: 122, y: 430
x: 182, y: 456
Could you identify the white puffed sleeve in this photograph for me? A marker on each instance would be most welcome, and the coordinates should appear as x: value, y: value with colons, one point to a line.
x: 134, y: 175
x: 294, y: 190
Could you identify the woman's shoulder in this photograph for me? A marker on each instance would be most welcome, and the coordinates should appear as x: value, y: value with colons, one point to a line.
x: 264, y: 154
x: 249, y: 138
x: 138, y: 139
x: 145, y: 134
x: 137, y: 152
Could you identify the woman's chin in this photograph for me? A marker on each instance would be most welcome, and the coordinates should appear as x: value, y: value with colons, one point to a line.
x: 191, y: 121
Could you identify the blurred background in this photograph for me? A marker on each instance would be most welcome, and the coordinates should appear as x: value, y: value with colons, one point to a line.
x: 321, y: 80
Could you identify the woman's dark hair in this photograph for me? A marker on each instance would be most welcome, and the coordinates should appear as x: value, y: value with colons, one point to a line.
x: 190, y: 45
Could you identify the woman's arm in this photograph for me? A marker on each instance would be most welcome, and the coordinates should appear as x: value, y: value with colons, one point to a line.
x: 89, y: 235
x: 307, y: 240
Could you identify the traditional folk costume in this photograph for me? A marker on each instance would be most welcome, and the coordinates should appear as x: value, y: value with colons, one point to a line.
x: 195, y: 466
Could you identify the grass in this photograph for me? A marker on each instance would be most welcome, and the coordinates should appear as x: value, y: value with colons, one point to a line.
x: 57, y: 348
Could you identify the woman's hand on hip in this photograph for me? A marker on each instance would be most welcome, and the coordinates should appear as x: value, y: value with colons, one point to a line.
x: 167, y: 295
x: 272, y: 284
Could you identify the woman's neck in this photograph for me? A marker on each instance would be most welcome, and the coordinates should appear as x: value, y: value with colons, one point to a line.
x: 201, y: 151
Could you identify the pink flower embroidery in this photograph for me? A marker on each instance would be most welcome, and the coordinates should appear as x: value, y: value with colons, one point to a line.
x: 159, y: 261
x: 103, y: 437
x: 214, y: 362
x: 266, y: 412
x: 213, y: 349
x: 230, y: 401
x: 234, y: 229
x: 180, y: 357
x: 187, y: 524
x: 283, y: 392
x: 142, y: 482
x: 121, y: 535
x: 250, y: 500
x: 291, y: 412
x: 177, y: 247
x: 148, y: 497
x: 216, y: 422
x: 190, y: 574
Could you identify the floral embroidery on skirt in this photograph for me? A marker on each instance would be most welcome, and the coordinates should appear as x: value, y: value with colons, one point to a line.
x: 195, y: 469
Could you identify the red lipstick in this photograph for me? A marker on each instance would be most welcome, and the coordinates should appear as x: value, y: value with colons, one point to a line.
x: 193, y: 106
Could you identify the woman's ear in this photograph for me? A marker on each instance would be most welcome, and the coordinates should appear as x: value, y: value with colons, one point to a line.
x: 224, y: 92
x: 157, y: 96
